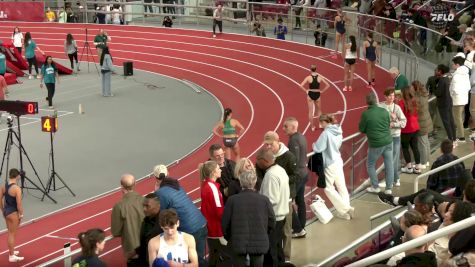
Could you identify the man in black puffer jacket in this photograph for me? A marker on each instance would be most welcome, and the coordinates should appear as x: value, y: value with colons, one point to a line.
x: 243, y: 210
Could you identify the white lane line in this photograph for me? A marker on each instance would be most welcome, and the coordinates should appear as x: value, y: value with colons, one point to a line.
x: 162, y: 65
x: 32, y: 122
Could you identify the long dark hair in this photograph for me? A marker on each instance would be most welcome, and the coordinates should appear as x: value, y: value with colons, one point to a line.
x: 410, y: 103
x: 69, y: 39
x: 27, y: 39
x: 227, y: 112
x: 16, y: 27
x: 353, y: 43
x: 105, y: 51
x: 89, y: 240
x: 52, y: 63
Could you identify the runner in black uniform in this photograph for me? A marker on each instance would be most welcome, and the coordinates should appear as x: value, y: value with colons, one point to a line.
x: 313, y: 93
x: 370, y: 53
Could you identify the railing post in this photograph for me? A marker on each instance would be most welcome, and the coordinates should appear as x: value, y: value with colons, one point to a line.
x: 352, y: 170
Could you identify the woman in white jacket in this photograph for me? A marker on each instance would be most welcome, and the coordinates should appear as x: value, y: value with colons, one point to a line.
x: 329, y: 144
x: 459, y: 90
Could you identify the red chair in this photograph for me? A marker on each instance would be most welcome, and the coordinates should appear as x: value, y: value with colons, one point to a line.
x: 342, y: 262
x: 365, y: 248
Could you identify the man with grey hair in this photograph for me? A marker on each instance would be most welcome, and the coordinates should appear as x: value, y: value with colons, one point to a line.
x: 418, y: 256
x: 275, y: 186
x: 375, y: 123
x: 400, y: 81
x: 244, y: 209
x: 127, y: 216
x: 298, y: 146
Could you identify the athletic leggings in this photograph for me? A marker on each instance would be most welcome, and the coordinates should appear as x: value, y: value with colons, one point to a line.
x: 410, y: 139
x: 50, y: 87
x: 75, y: 56
x: 19, y: 49
x: 220, y: 25
x: 31, y: 62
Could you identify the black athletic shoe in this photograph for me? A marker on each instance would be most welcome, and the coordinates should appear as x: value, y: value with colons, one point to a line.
x: 386, y: 198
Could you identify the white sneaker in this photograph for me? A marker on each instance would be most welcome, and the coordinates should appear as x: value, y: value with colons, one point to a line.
x: 30, y: 77
x: 423, y: 167
x: 214, y: 35
x: 406, y: 170
x: 397, y: 183
x: 428, y: 164
x: 388, y: 192
x: 382, y: 184
x: 15, y: 258
x: 344, y: 216
x: 351, y: 212
x: 373, y: 190
x: 38, y: 76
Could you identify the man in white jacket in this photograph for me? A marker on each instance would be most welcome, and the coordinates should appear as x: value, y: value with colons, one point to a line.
x: 275, y: 186
x: 459, y: 90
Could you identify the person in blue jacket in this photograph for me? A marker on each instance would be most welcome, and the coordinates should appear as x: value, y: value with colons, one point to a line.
x: 280, y: 30
x: 172, y: 196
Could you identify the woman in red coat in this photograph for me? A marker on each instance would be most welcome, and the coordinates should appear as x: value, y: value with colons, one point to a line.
x: 410, y: 133
x: 212, y: 207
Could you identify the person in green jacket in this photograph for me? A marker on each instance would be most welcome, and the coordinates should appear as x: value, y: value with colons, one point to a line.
x: 375, y: 123
x: 400, y: 81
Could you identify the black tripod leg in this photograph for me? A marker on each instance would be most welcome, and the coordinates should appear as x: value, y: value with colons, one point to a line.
x: 64, y: 183
x: 6, y: 154
x: 22, y: 150
x: 92, y: 55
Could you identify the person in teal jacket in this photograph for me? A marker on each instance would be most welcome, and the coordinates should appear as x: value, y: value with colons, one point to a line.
x: 375, y: 123
x: 49, y: 75
x: 30, y: 47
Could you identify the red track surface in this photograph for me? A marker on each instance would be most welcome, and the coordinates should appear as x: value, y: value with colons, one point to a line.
x: 257, y: 77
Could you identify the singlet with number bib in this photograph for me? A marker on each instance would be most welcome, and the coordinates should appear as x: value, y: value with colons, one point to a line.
x: 177, y: 252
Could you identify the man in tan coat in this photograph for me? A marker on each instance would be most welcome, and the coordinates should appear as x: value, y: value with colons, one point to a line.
x: 127, y: 215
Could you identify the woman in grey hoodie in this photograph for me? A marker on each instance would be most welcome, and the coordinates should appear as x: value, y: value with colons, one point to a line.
x: 329, y: 144
x: 106, y: 70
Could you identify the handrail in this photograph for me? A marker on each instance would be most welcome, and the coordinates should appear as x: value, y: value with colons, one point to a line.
x: 349, y: 137
x: 384, y: 212
x: 445, y: 231
x: 443, y: 167
x: 358, y: 241
x: 76, y: 251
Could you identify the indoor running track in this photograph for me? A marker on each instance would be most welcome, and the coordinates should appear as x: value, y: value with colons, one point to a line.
x: 257, y: 77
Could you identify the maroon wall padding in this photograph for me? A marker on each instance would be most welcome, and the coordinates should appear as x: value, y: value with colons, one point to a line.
x: 40, y: 59
x: 10, y: 78
x: 14, y: 69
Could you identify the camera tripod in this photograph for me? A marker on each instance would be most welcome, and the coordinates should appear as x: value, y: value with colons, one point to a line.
x: 87, y: 48
x: 11, y: 137
x: 54, y: 174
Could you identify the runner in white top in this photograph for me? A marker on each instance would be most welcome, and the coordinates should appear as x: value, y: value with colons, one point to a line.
x: 174, y: 247
x: 17, y: 39
x: 350, y: 54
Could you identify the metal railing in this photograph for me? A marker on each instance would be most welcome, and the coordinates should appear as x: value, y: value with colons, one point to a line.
x: 400, y: 50
x: 445, y: 231
x: 357, y: 242
x: 441, y: 168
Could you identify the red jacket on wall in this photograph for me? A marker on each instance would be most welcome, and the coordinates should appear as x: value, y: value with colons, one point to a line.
x: 212, y: 207
x: 412, y: 124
